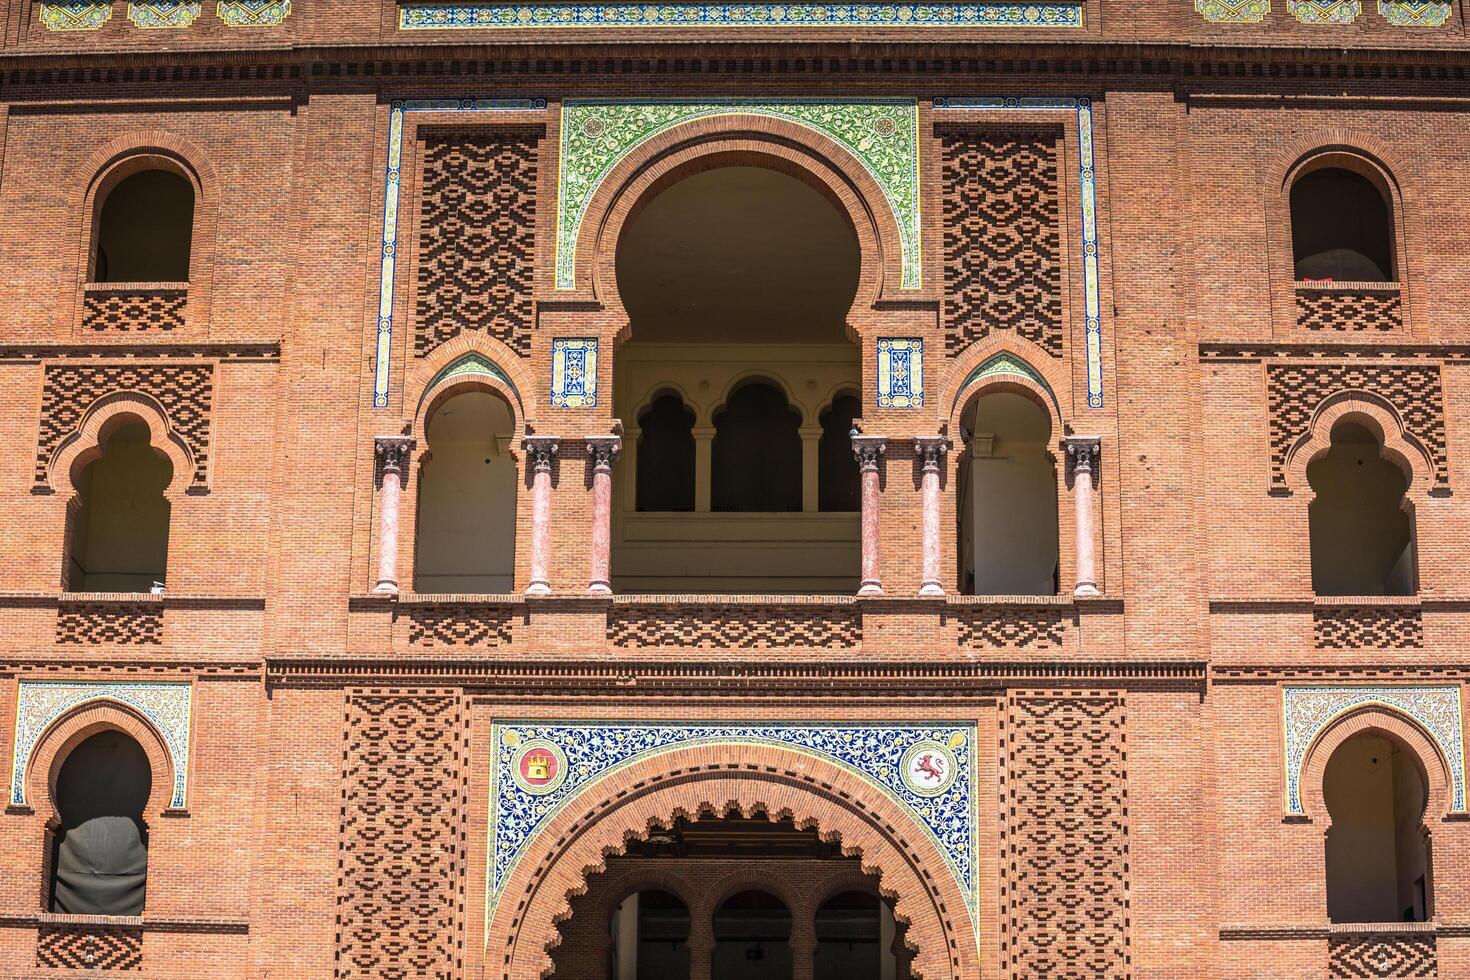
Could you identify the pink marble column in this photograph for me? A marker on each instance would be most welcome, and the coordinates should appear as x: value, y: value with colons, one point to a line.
x: 1083, y: 454
x: 539, y: 453
x: 603, y: 450
x: 390, y: 458
x: 931, y: 451
x: 868, y: 450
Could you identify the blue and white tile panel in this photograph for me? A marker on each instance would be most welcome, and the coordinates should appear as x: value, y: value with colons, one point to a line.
x: 574, y: 372
x: 900, y: 372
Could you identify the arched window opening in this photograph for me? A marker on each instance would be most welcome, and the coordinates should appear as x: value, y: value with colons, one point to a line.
x: 756, y: 458
x: 650, y: 933
x: 467, y: 498
x: 666, y: 455
x: 1007, y: 498
x: 1362, y: 534
x: 99, y: 856
x: 117, y: 538
x: 1377, y: 854
x: 837, y: 469
x: 752, y: 938
x: 1341, y: 228
x: 855, y: 938
x: 145, y: 229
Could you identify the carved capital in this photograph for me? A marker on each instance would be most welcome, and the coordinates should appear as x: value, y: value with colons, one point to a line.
x: 931, y: 451
x: 868, y: 450
x: 603, y: 450
x: 541, y: 449
x: 1083, y: 455
x: 391, y: 454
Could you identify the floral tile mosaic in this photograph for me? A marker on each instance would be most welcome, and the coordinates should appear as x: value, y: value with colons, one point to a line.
x: 76, y: 15
x: 928, y: 769
x: 544, y: 16
x: 164, y: 13
x: 42, y: 703
x: 574, y: 372
x: 1415, y: 14
x: 1325, y: 11
x: 1307, y: 712
x: 900, y: 372
x: 1233, y: 11
x: 254, y: 13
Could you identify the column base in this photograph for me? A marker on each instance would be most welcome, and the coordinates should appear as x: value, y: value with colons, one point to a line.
x: 1086, y: 588
x: 599, y: 588
x: 931, y: 589
x: 539, y: 588
x: 385, y: 588
x: 870, y: 587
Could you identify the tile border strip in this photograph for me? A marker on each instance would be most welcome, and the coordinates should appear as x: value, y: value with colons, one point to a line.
x: 657, y: 16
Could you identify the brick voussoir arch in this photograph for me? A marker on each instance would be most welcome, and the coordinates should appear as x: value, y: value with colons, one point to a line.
x: 740, y: 778
x: 1378, y: 720
x: 1379, y: 416
x: 83, y: 445
x: 80, y: 724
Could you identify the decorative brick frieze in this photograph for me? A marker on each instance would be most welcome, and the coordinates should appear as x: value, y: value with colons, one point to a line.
x: 459, y: 624
x: 1345, y: 309
x: 477, y: 240
x: 134, y: 308
x: 1383, y: 955
x: 185, y: 391
x: 1295, y: 391
x: 138, y: 624
x: 1064, y: 886
x: 739, y: 625
x: 1002, y: 238
x: 1012, y: 627
x: 87, y: 946
x: 400, y: 899
x: 1368, y: 627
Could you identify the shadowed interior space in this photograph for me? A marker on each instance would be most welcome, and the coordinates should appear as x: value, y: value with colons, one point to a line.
x: 1362, y: 532
x: 118, y: 539
x: 100, y: 847
x: 1341, y: 228
x: 145, y: 229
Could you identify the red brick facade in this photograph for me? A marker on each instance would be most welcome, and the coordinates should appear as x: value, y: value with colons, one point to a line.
x: 1132, y: 813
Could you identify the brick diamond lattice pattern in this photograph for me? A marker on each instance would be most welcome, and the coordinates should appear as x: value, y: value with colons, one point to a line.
x: 1368, y: 628
x: 1383, y: 956
x: 400, y: 900
x: 460, y: 625
x: 90, y: 948
x: 477, y: 244
x: 1294, y: 392
x: 1349, y: 311
x: 1002, y: 239
x: 134, y: 310
x: 185, y: 391
x: 715, y: 626
x: 132, y: 624
x: 1065, y: 883
x: 1015, y: 629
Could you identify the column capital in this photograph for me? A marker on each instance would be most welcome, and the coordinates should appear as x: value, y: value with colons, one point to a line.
x: 541, y: 449
x: 1083, y: 454
x: 604, y: 450
x: 391, y: 453
x: 931, y: 449
x: 868, y: 450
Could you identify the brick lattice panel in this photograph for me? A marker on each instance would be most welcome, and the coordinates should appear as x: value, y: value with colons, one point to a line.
x: 1065, y: 880
x: 1368, y: 628
x: 1349, y: 311
x: 134, y: 310
x: 85, y: 947
x: 138, y: 624
x: 185, y: 391
x: 1294, y: 391
x: 460, y: 625
x: 749, y: 627
x: 400, y: 906
x: 1002, y: 238
x: 1012, y: 629
x: 477, y: 243
x: 1382, y: 956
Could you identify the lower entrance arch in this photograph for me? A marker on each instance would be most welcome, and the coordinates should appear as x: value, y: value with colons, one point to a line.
x: 642, y: 803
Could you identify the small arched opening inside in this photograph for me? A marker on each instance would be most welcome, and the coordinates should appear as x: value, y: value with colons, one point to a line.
x: 466, y: 512
x: 1007, y: 498
x: 99, y: 845
x: 737, y: 281
x: 650, y: 937
x: 752, y: 938
x: 145, y: 229
x: 838, y: 488
x: 118, y: 522
x: 855, y: 932
x: 1378, y: 868
x: 1361, y: 525
x: 1341, y: 227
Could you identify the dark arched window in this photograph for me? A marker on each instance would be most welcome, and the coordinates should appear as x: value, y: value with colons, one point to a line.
x: 855, y: 935
x: 837, y: 469
x: 1362, y: 535
x: 650, y: 937
x: 752, y: 938
x: 145, y: 229
x: 100, y: 850
x: 1341, y: 228
x: 756, y: 456
x: 117, y: 538
x: 666, y: 455
x: 1377, y: 856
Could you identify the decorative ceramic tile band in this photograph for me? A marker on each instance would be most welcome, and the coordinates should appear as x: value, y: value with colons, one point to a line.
x: 1087, y: 195
x: 540, y: 769
x: 472, y: 364
x: 1415, y: 14
x: 392, y: 187
x: 1233, y: 11
x: 596, y: 134
x: 1325, y: 11
x: 254, y: 13
x: 164, y: 13
x: 41, y: 703
x: 1005, y: 365
x: 76, y: 15
x: 1307, y: 712
x: 644, y: 16
x: 574, y: 372
x: 900, y: 372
